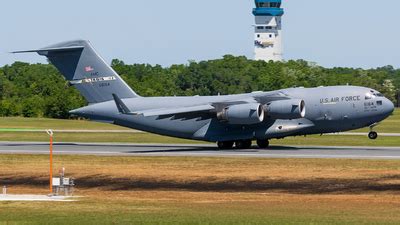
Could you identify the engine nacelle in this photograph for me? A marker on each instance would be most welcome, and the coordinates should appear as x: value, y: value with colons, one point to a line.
x: 243, y: 114
x: 286, y: 109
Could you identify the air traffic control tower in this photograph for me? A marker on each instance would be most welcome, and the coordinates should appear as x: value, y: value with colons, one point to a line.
x: 268, y: 30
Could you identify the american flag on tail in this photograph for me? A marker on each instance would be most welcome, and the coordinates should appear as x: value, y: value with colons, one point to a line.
x: 89, y: 69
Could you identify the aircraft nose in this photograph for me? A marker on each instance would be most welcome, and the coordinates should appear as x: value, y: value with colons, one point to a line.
x: 388, y: 106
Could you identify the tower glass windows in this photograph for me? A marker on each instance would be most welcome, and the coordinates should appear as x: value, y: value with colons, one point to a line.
x: 268, y: 5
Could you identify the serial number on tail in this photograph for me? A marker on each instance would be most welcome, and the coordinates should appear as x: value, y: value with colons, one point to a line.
x: 93, y: 80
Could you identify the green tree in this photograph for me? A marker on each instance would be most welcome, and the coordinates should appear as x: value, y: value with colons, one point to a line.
x: 36, y: 90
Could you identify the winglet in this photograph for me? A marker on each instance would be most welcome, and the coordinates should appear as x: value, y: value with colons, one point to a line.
x: 122, y: 108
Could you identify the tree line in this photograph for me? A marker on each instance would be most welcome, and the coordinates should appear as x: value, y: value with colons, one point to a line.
x: 38, y: 90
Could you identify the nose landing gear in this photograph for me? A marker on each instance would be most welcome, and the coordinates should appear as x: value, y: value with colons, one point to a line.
x: 372, y: 135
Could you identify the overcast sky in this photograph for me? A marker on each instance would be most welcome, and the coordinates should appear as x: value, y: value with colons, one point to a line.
x: 356, y: 33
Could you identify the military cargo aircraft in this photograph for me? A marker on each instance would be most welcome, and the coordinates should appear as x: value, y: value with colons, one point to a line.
x: 228, y: 120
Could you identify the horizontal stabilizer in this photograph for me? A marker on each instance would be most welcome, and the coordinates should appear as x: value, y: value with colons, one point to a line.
x: 44, y: 50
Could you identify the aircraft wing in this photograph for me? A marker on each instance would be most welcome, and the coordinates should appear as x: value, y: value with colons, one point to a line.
x: 206, y: 108
x: 267, y: 98
x: 173, y: 111
x: 123, y: 109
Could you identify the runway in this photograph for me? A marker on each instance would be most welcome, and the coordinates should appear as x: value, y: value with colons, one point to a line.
x: 203, y: 150
x: 23, y: 130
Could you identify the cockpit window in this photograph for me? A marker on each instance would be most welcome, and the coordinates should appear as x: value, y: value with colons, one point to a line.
x: 369, y: 96
x: 373, y: 94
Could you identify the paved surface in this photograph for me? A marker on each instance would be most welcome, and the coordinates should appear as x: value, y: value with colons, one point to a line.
x: 34, y: 198
x: 138, y: 131
x: 200, y: 150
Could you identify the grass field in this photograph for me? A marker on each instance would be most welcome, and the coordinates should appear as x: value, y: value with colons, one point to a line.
x: 56, y: 124
x: 184, y: 190
x: 9, y: 125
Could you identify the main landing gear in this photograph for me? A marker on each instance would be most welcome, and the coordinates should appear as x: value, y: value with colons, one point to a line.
x: 242, y: 144
x: 225, y: 144
x: 263, y: 143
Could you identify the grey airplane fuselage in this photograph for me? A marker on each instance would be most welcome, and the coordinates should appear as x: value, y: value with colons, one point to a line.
x: 327, y: 110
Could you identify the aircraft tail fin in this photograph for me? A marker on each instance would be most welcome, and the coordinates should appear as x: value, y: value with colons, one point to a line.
x: 80, y: 64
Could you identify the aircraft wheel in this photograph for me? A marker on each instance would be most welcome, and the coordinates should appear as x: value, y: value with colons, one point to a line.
x: 225, y: 144
x: 243, y: 144
x: 373, y: 135
x: 263, y: 143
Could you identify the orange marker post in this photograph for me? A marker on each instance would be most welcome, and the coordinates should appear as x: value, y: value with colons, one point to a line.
x: 50, y: 133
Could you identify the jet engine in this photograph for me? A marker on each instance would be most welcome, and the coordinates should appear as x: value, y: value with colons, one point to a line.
x: 286, y: 109
x: 243, y: 114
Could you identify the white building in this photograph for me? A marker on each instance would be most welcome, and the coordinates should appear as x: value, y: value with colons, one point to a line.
x: 268, y: 30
